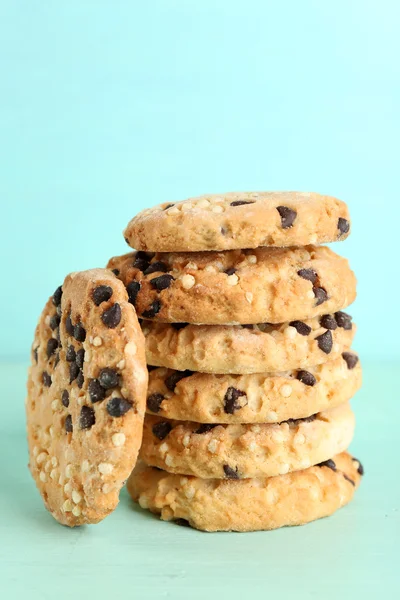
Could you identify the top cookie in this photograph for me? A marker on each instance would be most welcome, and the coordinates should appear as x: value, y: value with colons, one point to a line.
x: 239, y: 220
x: 86, y: 397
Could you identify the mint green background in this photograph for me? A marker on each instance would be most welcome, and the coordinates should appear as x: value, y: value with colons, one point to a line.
x: 108, y: 107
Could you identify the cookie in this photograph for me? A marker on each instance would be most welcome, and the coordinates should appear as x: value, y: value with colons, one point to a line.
x: 245, y: 451
x: 240, y: 220
x: 254, y: 398
x: 247, y: 348
x: 86, y: 397
x: 266, y: 285
x: 248, y: 504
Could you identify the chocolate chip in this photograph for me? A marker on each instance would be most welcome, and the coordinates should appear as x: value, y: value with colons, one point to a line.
x: 57, y: 359
x: 329, y: 322
x: 321, y: 295
x: 230, y: 271
x: 206, y: 427
x: 307, y: 378
x: 182, y: 522
x: 360, y: 469
x: 175, y: 377
x: 112, y: 316
x: 57, y: 296
x: 288, y: 216
x: 117, y: 407
x: 162, y: 282
x: 70, y: 354
x: 68, y: 424
x: 102, y: 293
x: 309, y: 419
x: 115, y: 271
x: 231, y: 400
x: 133, y: 289
x: 80, y: 358
x: 151, y: 368
x: 153, y: 310
x: 141, y: 263
x: 154, y: 402
x: 308, y: 274
x: 65, y: 398
x: 68, y: 325
x: 325, y: 341
x: 87, y: 417
x: 241, y: 202
x: 301, y: 327
x: 156, y: 267
x: 46, y: 379
x: 73, y: 371
x: 52, y: 346
x: 54, y: 322
x: 344, y: 320
x: 351, y: 359
x: 80, y: 380
x: 343, y: 226
x: 231, y: 473
x: 36, y: 354
x: 108, y: 378
x: 247, y: 326
x: 126, y: 240
x: 179, y: 326
x: 96, y: 392
x: 168, y: 206
x: 224, y: 231
x: 161, y: 429
x: 79, y: 333
x: 328, y: 463
x: 347, y: 478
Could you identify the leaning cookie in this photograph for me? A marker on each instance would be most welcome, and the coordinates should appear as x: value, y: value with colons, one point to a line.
x: 254, y: 398
x: 245, y: 451
x: 240, y: 220
x: 86, y: 397
x: 266, y: 285
x: 248, y: 504
x: 247, y: 348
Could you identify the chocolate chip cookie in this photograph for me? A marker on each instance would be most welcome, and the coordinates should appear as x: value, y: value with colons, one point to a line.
x: 254, y: 398
x: 248, y: 348
x: 266, y: 285
x: 240, y: 220
x: 212, y: 451
x: 248, y: 504
x: 86, y: 397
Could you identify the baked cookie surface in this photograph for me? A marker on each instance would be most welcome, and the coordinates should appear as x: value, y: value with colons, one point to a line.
x: 254, y: 398
x: 239, y: 220
x: 247, y: 348
x: 265, y: 285
x: 86, y: 397
x: 246, y: 451
x: 248, y: 504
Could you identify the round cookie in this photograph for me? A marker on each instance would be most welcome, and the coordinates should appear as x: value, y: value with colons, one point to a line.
x: 266, y: 285
x: 254, y: 398
x: 86, y: 397
x: 248, y: 504
x: 247, y: 348
x: 239, y: 220
x: 246, y: 451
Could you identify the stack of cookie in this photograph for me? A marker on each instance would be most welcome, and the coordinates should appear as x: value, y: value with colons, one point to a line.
x: 250, y: 368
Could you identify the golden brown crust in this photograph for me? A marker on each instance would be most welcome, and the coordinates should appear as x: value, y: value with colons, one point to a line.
x: 248, y: 504
x: 83, y: 436
x: 240, y: 220
x: 254, y: 398
x: 246, y: 451
x: 251, y: 349
x: 265, y: 285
